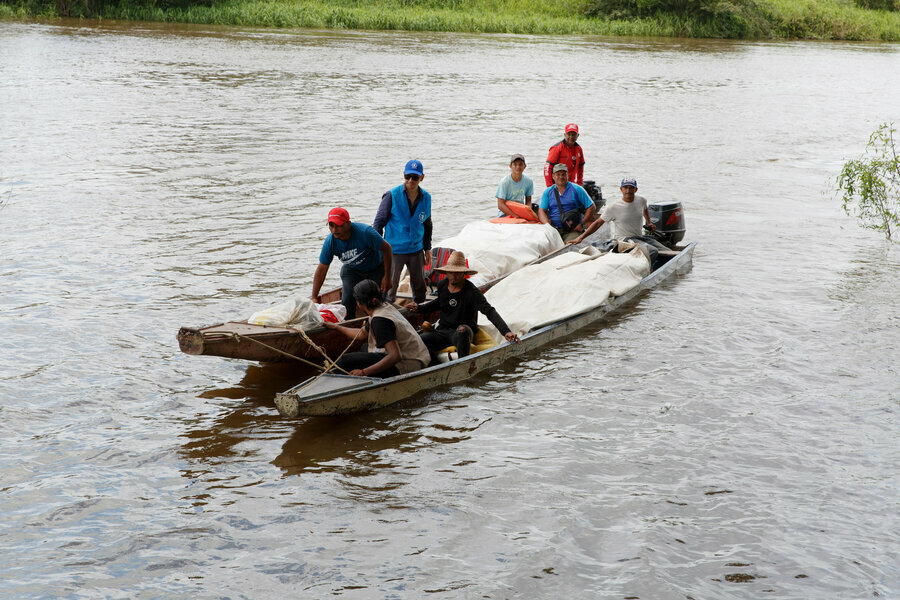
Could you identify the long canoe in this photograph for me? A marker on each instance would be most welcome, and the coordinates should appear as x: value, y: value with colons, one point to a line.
x: 265, y: 343
x: 333, y: 394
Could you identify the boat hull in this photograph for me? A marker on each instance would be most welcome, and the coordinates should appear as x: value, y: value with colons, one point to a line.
x: 239, y: 339
x: 343, y: 395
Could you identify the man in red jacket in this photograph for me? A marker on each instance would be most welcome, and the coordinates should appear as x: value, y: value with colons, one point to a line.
x: 568, y: 153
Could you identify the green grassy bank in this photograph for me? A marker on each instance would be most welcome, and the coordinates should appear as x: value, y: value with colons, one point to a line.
x: 752, y: 19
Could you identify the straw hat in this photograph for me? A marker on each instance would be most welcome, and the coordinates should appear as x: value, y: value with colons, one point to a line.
x: 456, y: 264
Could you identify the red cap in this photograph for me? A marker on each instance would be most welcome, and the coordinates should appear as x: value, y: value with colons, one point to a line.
x: 571, y: 127
x: 338, y: 216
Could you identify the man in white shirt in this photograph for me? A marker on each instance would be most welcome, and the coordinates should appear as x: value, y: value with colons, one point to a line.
x: 628, y: 215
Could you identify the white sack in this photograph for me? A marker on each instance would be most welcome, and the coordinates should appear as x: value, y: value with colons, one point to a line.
x: 336, y: 308
x: 495, y: 249
x: 562, y: 287
x: 296, y: 312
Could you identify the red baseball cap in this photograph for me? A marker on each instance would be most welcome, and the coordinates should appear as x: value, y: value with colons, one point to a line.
x: 571, y: 127
x: 338, y: 216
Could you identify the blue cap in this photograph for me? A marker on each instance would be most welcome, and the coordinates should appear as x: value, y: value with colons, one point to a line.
x: 413, y: 167
x: 628, y: 181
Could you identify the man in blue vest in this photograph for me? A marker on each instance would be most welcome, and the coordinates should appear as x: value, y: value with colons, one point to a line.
x: 404, y: 218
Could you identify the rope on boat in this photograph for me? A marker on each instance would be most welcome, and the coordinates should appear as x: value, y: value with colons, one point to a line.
x: 309, y: 341
x: 238, y: 337
x: 331, y: 365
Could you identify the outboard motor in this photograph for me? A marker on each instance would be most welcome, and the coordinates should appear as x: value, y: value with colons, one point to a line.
x: 669, y: 221
x: 593, y: 190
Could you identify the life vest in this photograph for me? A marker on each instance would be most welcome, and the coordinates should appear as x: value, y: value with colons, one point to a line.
x: 404, y: 231
x: 439, y: 258
x: 522, y: 211
x: 413, y: 353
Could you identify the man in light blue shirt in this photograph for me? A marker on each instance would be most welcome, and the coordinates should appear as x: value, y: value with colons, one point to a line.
x: 515, y: 187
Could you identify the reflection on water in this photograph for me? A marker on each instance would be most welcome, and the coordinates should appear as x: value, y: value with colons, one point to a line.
x: 360, y: 445
x: 261, y: 382
x: 154, y: 176
x: 352, y: 443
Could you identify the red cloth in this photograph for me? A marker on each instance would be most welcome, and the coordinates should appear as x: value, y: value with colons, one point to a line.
x: 572, y: 157
x: 328, y: 316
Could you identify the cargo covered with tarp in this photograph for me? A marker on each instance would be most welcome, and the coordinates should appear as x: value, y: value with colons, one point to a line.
x: 564, y: 286
x: 494, y: 250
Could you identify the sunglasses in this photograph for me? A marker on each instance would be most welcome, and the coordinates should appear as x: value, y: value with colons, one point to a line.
x: 412, y: 176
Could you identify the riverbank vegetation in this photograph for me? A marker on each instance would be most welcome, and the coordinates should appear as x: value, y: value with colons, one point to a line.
x: 744, y: 19
x: 870, y: 185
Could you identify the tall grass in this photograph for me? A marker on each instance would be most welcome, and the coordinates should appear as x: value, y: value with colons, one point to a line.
x: 528, y: 16
x: 804, y: 19
x: 8, y: 12
x: 831, y: 20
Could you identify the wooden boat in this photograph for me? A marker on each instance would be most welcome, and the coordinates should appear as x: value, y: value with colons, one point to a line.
x: 333, y: 394
x: 264, y: 343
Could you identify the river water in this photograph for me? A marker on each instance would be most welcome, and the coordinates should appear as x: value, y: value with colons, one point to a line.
x: 733, y: 435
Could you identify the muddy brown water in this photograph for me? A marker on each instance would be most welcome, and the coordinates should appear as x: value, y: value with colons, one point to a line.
x: 733, y: 435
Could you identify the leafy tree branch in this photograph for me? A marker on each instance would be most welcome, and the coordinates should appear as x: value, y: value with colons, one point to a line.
x: 869, y: 186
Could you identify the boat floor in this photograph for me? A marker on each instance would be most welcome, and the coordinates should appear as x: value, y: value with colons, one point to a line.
x: 333, y: 382
x: 245, y: 328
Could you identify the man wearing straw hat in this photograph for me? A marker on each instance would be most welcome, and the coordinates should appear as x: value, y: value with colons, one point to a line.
x: 459, y: 302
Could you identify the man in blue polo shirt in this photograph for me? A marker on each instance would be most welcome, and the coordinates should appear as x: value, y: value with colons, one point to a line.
x: 404, y: 217
x: 365, y: 254
x: 566, y: 205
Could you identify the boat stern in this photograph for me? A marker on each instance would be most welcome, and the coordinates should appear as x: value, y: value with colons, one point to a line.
x: 190, y: 340
x: 288, y: 405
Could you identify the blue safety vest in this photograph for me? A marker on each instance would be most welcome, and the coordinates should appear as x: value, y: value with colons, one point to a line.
x: 405, y: 231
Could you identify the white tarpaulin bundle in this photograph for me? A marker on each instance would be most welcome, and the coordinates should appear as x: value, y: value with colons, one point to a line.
x: 296, y: 312
x: 563, y: 287
x: 495, y: 249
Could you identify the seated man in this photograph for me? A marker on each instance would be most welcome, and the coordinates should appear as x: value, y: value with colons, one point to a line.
x: 515, y: 187
x: 459, y: 302
x: 394, y: 346
x: 626, y: 214
x: 566, y: 205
